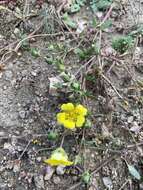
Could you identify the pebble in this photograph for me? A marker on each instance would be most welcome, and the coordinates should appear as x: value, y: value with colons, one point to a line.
x: 8, y: 75
x: 99, y: 14
x: 8, y: 146
x: 49, y: 173
x: 39, y: 159
x: 60, y: 170
x: 33, y: 73
x: 107, y: 182
x: 56, y: 180
x: 22, y: 114
x: 16, y: 167
x: 130, y: 119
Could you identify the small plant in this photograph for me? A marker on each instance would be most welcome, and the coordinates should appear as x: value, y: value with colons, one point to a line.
x: 122, y: 44
x: 76, y: 6
x: 87, y: 53
x: 100, y: 5
x: 58, y: 157
x: 86, y: 177
x: 69, y: 22
x: 72, y: 116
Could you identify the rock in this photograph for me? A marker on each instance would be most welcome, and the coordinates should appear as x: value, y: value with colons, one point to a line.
x: 130, y: 119
x: 56, y: 180
x: 39, y: 159
x: 49, y: 173
x: 60, y: 170
x: 33, y: 73
x: 81, y: 25
x: 54, y: 81
x: 39, y: 182
x: 105, y: 131
x: 22, y: 114
x: 16, y: 167
x: 9, y: 147
x: 141, y: 186
x: 107, y: 182
x: 99, y: 14
x: 135, y: 127
x: 8, y: 75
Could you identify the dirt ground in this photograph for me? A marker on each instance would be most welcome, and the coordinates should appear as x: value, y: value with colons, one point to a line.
x: 33, y: 36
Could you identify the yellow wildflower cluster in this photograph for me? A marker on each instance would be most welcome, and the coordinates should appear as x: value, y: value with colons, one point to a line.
x: 72, y: 116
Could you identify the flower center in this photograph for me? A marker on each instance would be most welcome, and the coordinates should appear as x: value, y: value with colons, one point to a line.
x: 72, y: 115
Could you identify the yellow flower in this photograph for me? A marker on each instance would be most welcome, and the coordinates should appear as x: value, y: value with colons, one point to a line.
x: 58, y: 157
x: 72, y: 116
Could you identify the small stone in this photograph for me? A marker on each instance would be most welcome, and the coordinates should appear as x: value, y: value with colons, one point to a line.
x: 8, y: 146
x: 39, y: 182
x: 75, y: 178
x: 33, y: 73
x: 22, y: 114
x: 39, y: 159
x: 16, y: 167
x: 54, y: 81
x: 49, y: 173
x: 4, y: 87
x: 99, y: 14
x: 130, y: 119
x: 60, y: 170
x: 135, y: 127
x: 141, y: 186
x: 107, y: 182
x: 2, y: 134
x: 56, y: 180
x: 8, y: 75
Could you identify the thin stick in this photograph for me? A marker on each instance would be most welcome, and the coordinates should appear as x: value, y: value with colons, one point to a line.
x: 24, y: 150
x: 124, y: 184
x: 104, y: 163
x: 109, y: 82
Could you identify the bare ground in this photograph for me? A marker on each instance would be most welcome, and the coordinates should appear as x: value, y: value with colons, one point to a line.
x: 28, y: 111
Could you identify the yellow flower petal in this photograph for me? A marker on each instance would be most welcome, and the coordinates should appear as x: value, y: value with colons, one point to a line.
x: 58, y: 157
x: 69, y: 124
x: 67, y: 107
x: 81, y: 110
x: 61, y: 118
x: 80, y: 121
x: 53, y: 162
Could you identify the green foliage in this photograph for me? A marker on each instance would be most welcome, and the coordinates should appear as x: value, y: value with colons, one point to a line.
x: 106, y: 24
x: 35, y: 52
x: 100, y: 5
x: 134, y: 172
x: 69, y: 22
x: 122, y: 44
x: 52, y: 135
x: 88, y: 124
x: 86, y: 177
x: 87, y: 53
x: 137, y: 31
x: 76, y: 6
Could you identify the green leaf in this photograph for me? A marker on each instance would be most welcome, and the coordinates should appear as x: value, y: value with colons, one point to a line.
x: 106, y: 24
x: 78, y: 160
x: 86, y: 177
x: 81, y: 2
x: 52, y: 135
x: 35, y: 52
x: 75, y: 85
x: 88, y: 124
x: 134, y: 172
x: 75, y: 8
x: 68, y: 21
